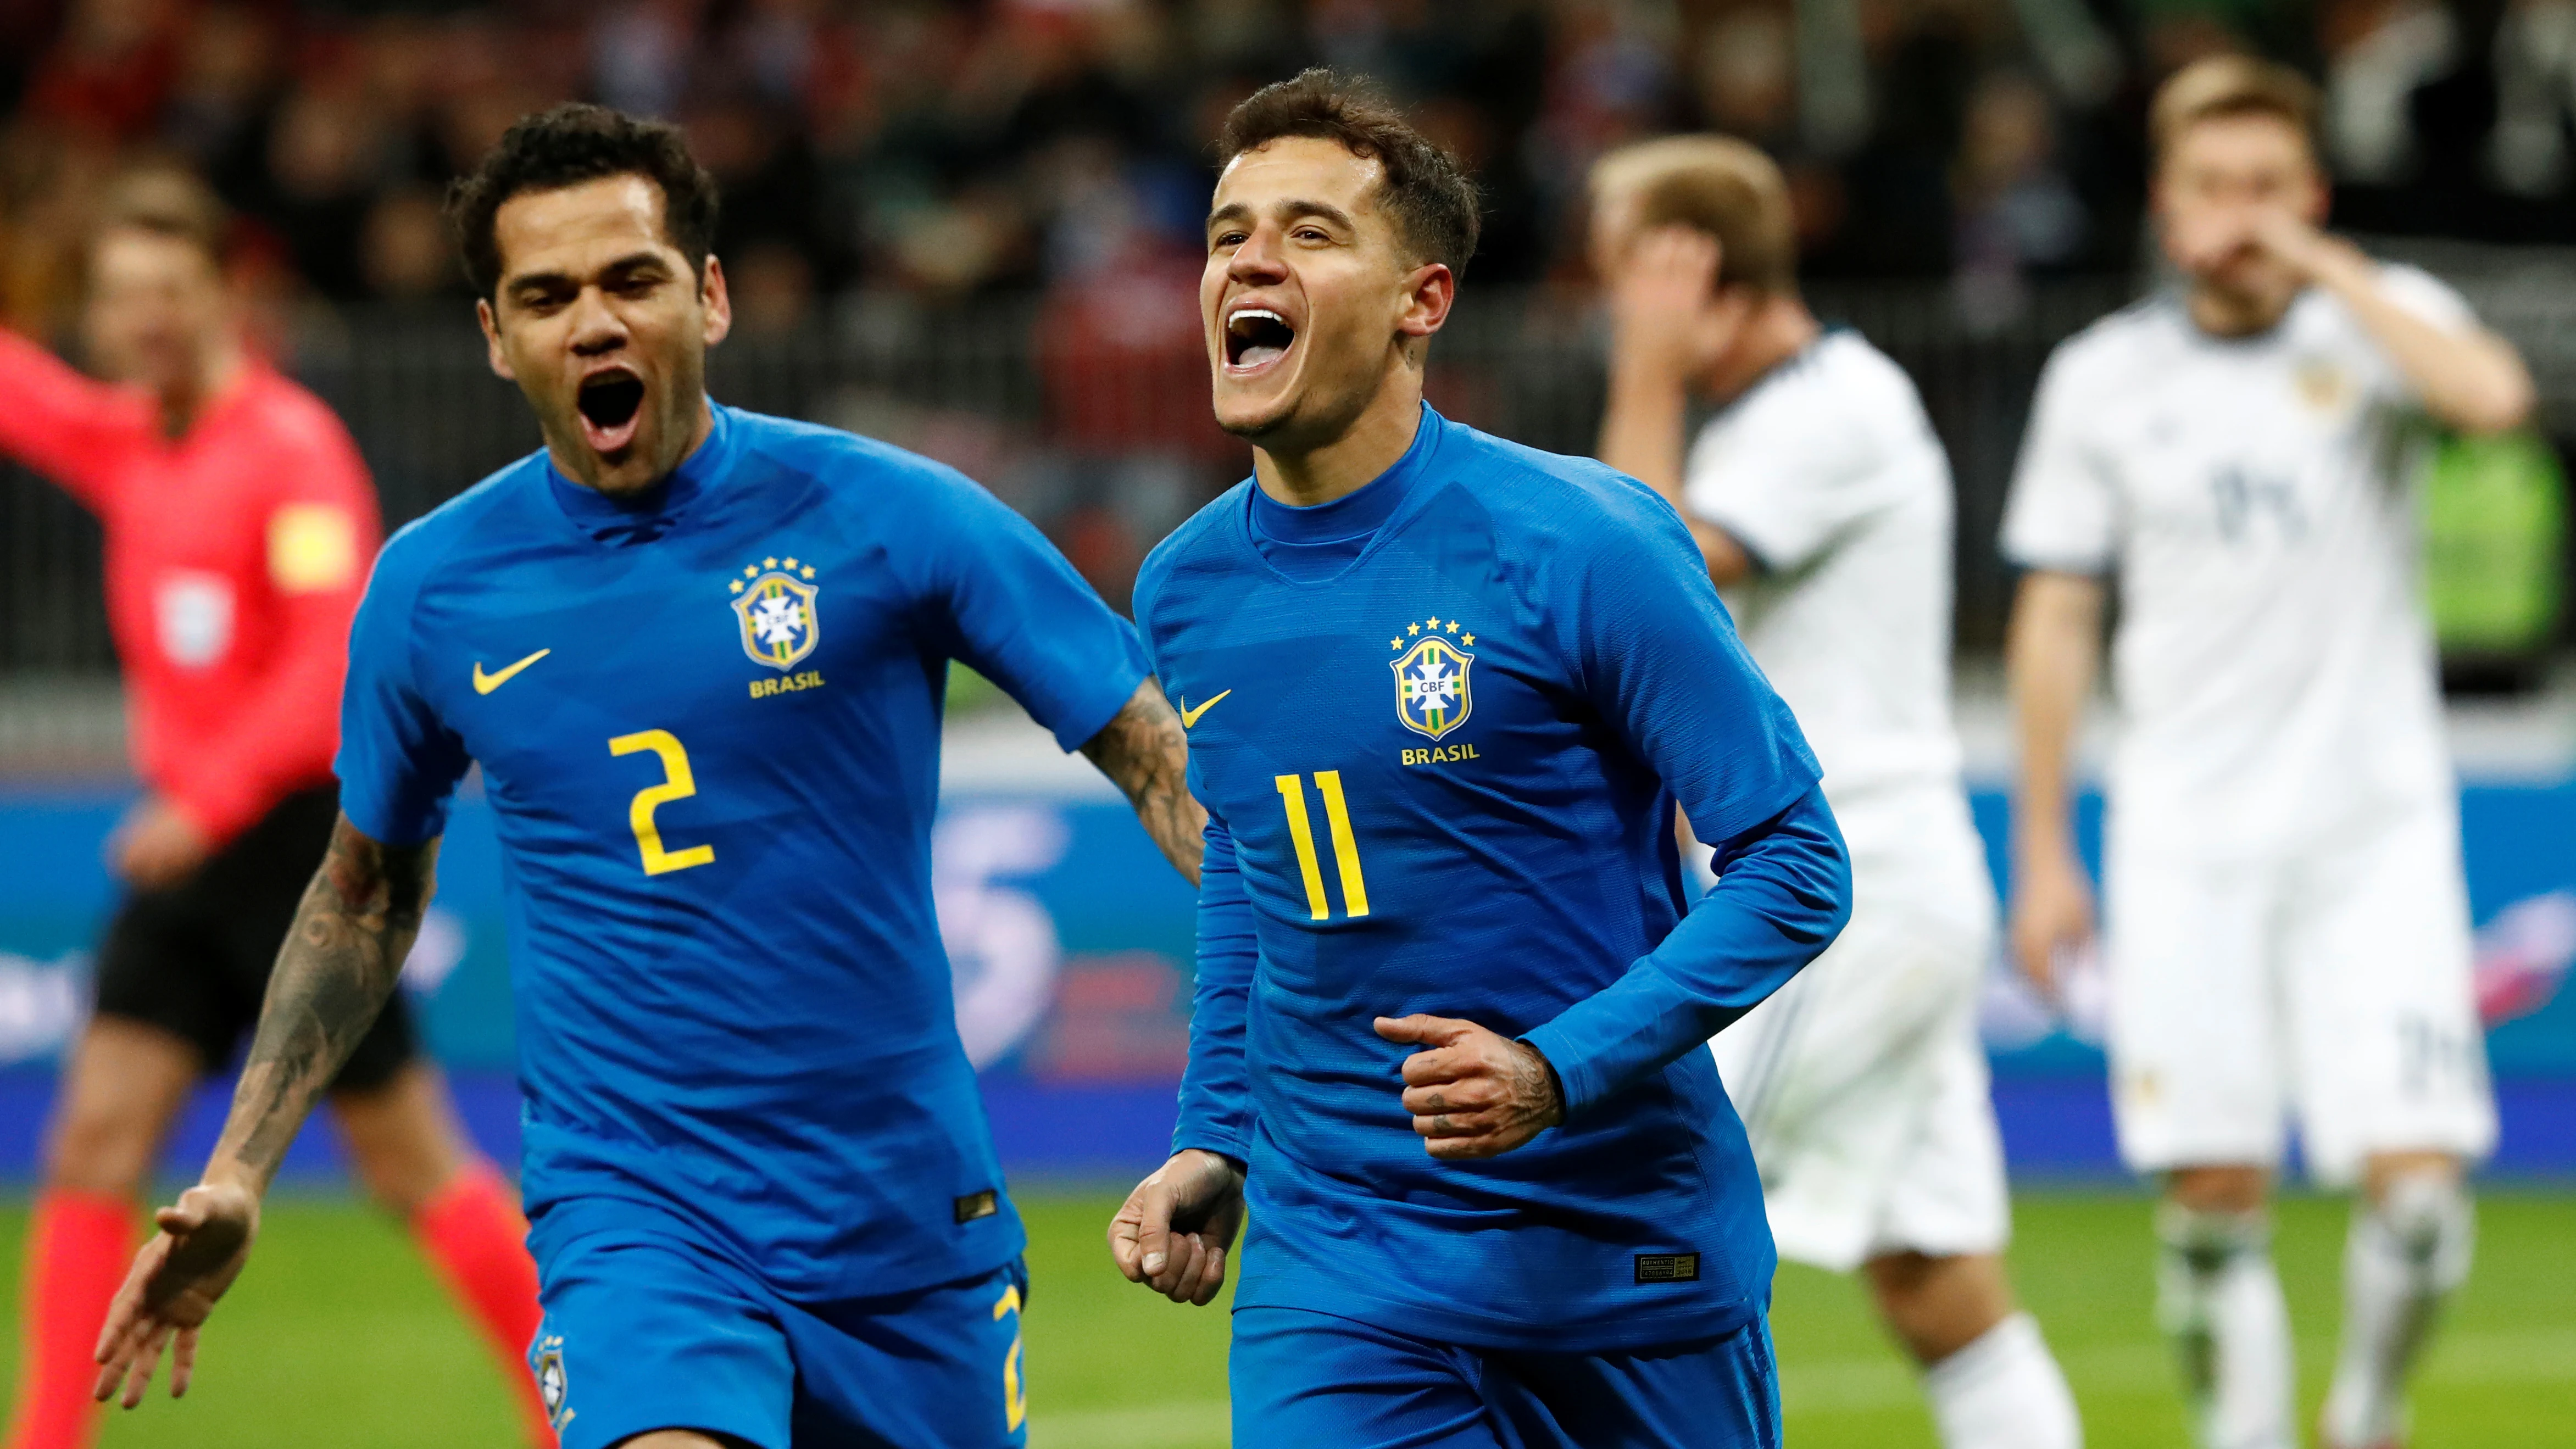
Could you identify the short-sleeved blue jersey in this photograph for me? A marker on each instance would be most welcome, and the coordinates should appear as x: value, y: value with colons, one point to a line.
x: 1440, y: 734
x: 708, y: 721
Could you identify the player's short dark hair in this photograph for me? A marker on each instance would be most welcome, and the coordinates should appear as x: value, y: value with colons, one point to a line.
x: 2220, y: 86
x: 1427, y: 191
x: 567, y: 146
x: 165, y: 201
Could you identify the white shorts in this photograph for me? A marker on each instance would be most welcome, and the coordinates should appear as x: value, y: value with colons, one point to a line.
x: 2332, y: 985
x: 1863, y: 1088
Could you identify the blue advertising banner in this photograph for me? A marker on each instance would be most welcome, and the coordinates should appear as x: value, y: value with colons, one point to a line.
x: 1071, y: 940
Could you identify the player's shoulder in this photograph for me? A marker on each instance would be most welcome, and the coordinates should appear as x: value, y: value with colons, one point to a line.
x: 1839, y: 386
x: 1544, y: 499
x: 2120, y: 346
x: 485, y: 512
x: 852, y: 466
x: 2419, y: 292
x: 1205, y: 540
x: 296, y: 418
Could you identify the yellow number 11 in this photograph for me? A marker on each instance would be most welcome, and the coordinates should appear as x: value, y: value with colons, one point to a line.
x: 1346, y: 849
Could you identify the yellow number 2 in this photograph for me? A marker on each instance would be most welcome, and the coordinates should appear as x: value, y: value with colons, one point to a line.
x: 1015, y: 1388
x: 677, y: 784
x: 1346, y: 847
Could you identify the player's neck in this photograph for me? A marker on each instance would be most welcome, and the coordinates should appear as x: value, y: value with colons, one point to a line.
x: 1781, y: 329
x: 2222, y: 312
x: 185, y: 401
x: 1374, y: 442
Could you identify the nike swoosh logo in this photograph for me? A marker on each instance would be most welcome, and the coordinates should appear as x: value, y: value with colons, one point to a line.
x: 1190, y: 717
x: 486, y: 683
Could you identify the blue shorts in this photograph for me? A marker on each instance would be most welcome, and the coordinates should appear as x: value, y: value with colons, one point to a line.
x: 1312, y: 1381
x: 645, y: 1329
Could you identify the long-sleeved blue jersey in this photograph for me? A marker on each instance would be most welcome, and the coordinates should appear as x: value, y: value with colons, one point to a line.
x: 708, y: 720
x: 1440, y: 725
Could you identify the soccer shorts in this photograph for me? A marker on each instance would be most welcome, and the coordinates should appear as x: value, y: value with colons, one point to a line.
x: 2330, y: 985
x: 193, y: 959
x: 646, y: 1327
x: 1303, y: 1380
x: 1862, y: 1084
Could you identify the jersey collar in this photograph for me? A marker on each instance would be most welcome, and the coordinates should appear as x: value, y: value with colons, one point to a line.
x: 1356, y: 514
x: 648, y: 515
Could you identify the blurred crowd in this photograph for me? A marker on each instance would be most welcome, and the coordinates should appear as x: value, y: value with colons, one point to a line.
x: 944, y: 150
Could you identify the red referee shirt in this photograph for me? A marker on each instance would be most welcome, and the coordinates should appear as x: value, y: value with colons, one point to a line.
x: 235, y: 558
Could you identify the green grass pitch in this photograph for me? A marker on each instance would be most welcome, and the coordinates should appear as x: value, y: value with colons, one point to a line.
x: 337, y: 1337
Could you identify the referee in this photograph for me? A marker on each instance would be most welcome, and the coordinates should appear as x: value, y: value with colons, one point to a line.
x: 239, y: 524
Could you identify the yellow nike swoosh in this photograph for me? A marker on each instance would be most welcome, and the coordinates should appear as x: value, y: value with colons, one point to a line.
x: 486, y: 683
x: 1190, y: 717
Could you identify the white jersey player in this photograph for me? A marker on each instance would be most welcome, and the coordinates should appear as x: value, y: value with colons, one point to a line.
x: 2288, y: 931
x: 1819, y: 491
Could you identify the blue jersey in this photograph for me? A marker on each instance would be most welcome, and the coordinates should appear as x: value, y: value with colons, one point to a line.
x: 1440, y: 726
x: 708, y: 723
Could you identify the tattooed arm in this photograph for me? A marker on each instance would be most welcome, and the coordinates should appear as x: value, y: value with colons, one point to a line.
x: 339, y: 965
x: 1144, y: 751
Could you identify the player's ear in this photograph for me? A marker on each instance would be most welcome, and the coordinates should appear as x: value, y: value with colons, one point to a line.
x: 1430, y: 291
x: 492, y: 340
x: 717, y: 302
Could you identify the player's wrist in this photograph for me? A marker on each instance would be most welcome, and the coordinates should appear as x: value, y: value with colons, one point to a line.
x: 1550, y: 1086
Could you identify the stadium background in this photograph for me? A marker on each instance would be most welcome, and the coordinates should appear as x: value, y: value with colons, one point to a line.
x: 972, y: 230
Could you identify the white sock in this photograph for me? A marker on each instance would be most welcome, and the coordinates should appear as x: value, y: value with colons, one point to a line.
x: 2405, y: 1253
x: 2219, y: 1299
x: 2003, y: 1391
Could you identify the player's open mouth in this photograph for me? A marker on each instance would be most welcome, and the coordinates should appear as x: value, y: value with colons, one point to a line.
x: 611, y: 403
x: 1255, y: 337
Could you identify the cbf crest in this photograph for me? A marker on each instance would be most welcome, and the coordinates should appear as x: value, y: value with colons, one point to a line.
x: 1432, y: 693
x: 774, y: 602
x: 553, y: 1387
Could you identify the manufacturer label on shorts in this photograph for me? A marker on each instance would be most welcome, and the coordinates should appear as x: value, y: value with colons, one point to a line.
x: 978, y: 1205
x: 1668, y: 1267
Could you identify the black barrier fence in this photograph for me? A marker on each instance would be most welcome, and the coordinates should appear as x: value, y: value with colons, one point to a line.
x: 1089, y: 412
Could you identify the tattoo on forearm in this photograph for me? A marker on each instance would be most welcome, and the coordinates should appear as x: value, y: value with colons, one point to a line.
x: 1145, y: 751
x: 340, y: 963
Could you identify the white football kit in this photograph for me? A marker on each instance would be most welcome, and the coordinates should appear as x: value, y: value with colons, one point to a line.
x: 1861, y: 1083
x: 2286, y: 920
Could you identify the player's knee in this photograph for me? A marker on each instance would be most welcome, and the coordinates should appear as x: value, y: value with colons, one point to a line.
x: 1937, y: 1305
x: 2428, y: 1220
x: 101, y: 1147
x: 2228, y: 1189
x: 2207, y: 1240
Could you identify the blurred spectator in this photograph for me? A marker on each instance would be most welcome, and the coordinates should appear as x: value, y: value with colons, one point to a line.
x: 2017, y: 212
x: 405, y: 254
x: 941, y: 150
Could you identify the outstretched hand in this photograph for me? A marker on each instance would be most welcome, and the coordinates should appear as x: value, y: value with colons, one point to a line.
x: 171, y: 1289
x: 1476, y: 1093
x: 1174, y: 1230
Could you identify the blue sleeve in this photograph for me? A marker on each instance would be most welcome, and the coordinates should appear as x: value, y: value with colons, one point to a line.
x: 1216, y: 1086
x: 398, y: 762
x: 1653, y: 649
x: 1783, y: 893
x: 1007, y: 604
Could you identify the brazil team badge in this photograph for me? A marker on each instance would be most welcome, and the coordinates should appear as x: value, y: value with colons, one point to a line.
x: 774, y: 602
x: 1431, y: 694
x: 552, y: 1386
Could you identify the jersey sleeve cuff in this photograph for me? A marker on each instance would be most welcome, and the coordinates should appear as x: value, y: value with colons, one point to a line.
x: 1079, y: 726
x: 1189, y: 1137
x: 386, y: 825
x: 1578, y: 1084
x: 2068, y: 561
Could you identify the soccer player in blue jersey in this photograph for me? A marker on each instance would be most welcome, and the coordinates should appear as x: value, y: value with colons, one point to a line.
x: 1444, y: 693
x: 699, y: 655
